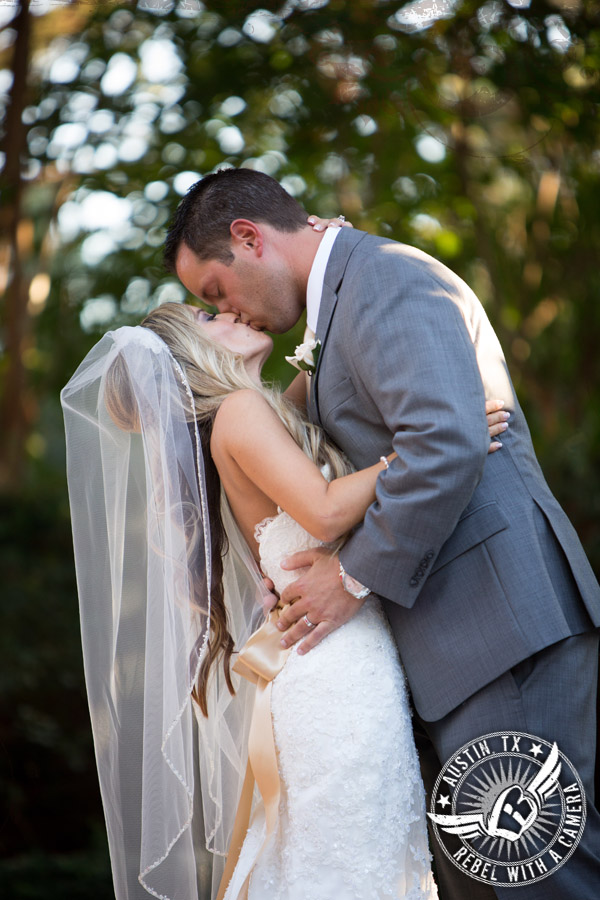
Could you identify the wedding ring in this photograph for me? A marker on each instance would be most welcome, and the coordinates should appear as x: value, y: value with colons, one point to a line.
x: 309, y: 623
x: 342, y: 218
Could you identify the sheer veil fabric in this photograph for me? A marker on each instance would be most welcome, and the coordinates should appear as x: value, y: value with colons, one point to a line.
x: 141, y: 536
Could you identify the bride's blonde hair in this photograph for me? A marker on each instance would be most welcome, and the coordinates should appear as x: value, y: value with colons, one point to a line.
x: 213, y: 372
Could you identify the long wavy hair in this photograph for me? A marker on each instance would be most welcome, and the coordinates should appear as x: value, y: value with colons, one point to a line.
x: 214, y: 372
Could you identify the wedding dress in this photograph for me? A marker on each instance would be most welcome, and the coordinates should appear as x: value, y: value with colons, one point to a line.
x: 351, y: 822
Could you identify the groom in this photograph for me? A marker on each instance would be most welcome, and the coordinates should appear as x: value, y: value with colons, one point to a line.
x: 490, y: 596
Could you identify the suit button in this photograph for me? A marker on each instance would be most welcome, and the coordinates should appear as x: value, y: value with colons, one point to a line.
x: 420, y: 572
x: 424, y: 562
x: 413, y: 582
x: 430, y: 554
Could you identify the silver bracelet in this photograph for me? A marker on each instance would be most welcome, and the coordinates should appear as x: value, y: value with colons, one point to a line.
x: 383, y: 459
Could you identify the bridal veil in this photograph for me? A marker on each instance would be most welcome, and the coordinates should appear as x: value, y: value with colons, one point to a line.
x: 141, y: 535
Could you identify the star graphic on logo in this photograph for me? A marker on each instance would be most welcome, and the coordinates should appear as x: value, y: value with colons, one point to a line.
x: 521, y: 802
x: 536, y: 749
x: 444, y: 801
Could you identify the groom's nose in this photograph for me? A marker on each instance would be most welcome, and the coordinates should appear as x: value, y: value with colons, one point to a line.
x: 225, y: 307
x: 241, y: 316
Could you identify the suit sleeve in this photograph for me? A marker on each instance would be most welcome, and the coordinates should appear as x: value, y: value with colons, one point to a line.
x: 409, y: 349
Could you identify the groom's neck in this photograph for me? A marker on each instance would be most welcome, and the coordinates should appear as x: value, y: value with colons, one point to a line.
x: 299, y: 248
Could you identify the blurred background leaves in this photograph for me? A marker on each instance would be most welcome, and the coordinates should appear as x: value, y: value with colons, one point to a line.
x: 470, y: 130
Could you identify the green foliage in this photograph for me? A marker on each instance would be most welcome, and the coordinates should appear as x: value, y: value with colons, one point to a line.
x: 77, y: 876
x: 48, y: 786
x: 473, y: 137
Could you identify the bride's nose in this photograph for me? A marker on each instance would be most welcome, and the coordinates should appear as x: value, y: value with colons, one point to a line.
x: 228, y: 316
x: 239, y: 317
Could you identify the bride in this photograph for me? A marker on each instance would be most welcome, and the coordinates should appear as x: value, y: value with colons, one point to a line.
x: 185, y: 474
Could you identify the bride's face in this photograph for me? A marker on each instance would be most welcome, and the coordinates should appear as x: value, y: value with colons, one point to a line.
x: 228, y: 330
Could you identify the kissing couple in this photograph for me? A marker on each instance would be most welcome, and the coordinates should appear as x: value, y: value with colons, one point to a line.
x: 409, y: 560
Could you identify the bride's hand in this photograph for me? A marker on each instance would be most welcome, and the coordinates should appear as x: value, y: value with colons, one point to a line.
x: 321, y: 224
x: 497, y: 421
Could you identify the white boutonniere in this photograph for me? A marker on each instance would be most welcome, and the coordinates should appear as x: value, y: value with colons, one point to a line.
x: 306, y: 356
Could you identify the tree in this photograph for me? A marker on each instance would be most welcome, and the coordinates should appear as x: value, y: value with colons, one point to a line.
x: 467, y: 129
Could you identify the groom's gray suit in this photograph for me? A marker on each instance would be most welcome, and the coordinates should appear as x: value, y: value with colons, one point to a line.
x: 478, y: 565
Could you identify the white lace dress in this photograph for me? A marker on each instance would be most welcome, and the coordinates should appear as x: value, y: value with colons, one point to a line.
x: 352, y: 812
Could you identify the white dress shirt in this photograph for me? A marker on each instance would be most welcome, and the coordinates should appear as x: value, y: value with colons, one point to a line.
x: 314, y: 287
x: 314, y: 291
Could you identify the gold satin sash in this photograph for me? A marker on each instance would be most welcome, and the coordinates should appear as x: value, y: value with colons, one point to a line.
x: 261, y: 658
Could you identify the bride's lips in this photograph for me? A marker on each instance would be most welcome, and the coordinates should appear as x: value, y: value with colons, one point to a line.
x: 199, y: 311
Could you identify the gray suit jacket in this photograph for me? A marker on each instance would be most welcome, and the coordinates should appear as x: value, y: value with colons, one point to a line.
x: 476, y: 562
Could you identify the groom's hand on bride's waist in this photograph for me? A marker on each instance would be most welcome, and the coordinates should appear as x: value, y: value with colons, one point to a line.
x: 318, y: 603
x: 270, y: 598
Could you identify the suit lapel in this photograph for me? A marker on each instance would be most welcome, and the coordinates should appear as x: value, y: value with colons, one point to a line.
x: 328, y: 302
x: 343, y: 248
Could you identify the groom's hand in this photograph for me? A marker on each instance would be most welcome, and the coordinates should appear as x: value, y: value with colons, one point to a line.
x: 318, y: 594
x: 270, y: 599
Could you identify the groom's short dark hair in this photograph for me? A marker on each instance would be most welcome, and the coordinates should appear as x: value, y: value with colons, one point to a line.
x: 203, y: 217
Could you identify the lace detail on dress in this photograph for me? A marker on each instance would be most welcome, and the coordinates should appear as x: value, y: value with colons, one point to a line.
x: 280, y: 536
x: 353, y: 807
x: 352, y: 812
x: 259, y: 528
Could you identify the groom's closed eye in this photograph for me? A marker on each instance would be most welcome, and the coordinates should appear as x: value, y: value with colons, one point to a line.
x: 212, y: 293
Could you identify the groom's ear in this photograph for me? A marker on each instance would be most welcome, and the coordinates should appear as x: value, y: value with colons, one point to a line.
x: 246, y: 235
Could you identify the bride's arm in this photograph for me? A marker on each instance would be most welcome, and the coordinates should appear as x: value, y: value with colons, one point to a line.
x: 296, y: 392
x: 248, y: 432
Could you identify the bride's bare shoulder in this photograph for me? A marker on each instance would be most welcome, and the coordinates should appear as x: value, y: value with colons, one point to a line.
x: 241, y: 404
x: 240, y: 415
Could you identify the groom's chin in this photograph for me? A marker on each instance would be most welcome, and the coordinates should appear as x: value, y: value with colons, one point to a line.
x: 292, y: 320
x: 281, y: 326
x: 282, y: 315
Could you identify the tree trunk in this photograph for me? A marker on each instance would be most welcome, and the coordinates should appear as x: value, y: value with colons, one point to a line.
x: 13, y: 413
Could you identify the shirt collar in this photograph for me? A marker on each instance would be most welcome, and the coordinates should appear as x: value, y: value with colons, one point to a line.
x: 314, y: 287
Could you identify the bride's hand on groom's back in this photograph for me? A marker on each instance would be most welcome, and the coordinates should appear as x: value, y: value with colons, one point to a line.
x: 319, y: 224
x: 496, y: 420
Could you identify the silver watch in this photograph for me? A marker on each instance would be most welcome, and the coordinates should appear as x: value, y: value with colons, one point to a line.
x: 352, y: 586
